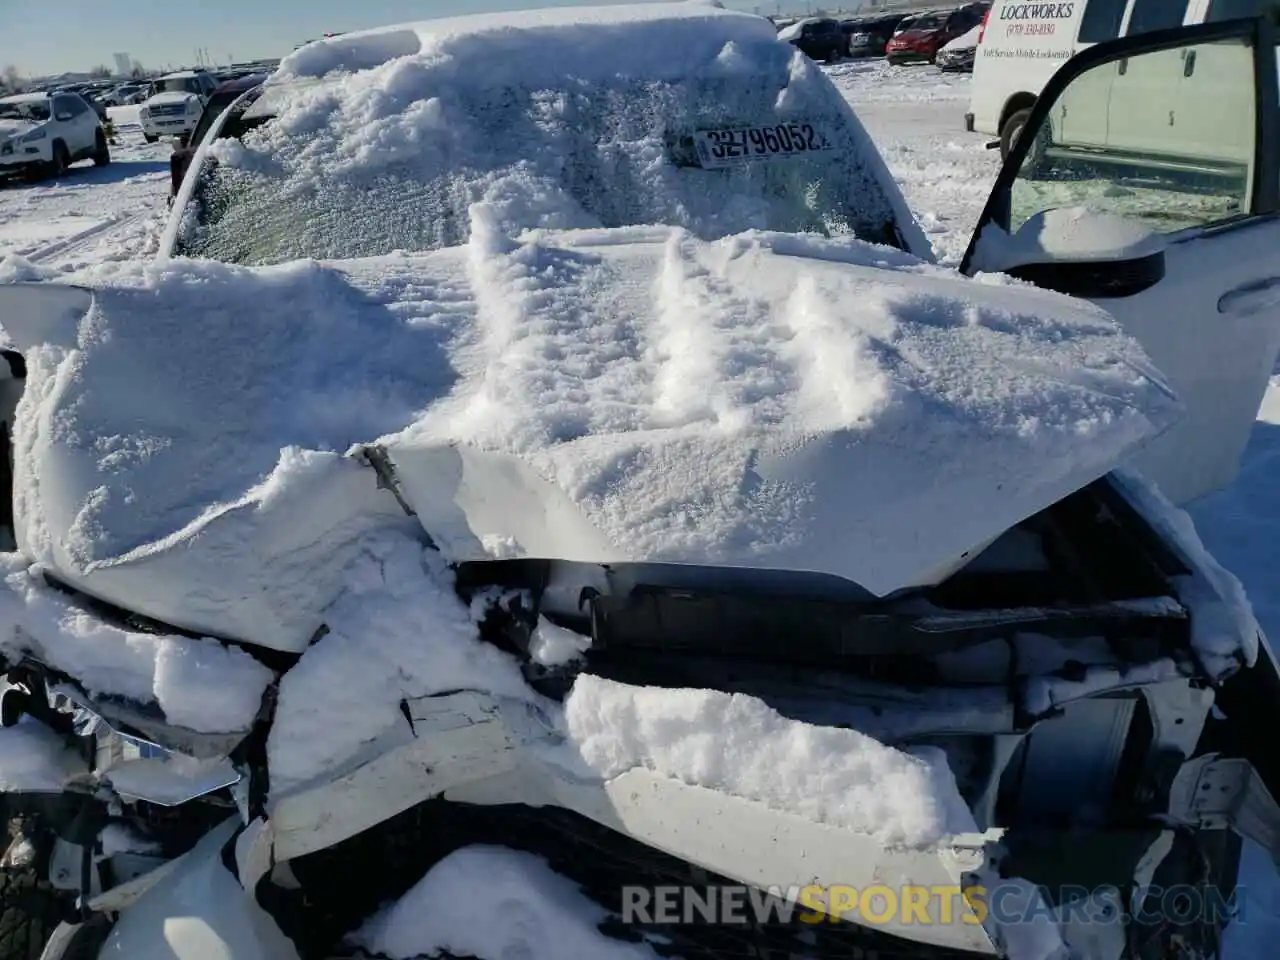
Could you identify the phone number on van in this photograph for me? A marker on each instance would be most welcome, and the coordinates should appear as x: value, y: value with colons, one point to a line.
x: 1030, y: 29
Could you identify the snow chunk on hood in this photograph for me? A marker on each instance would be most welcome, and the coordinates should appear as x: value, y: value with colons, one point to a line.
x: 492, y: 902
x: 741, y: 746
x: 197, y: 683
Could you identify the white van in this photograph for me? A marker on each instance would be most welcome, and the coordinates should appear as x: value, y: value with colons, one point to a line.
x: 1023, y: 42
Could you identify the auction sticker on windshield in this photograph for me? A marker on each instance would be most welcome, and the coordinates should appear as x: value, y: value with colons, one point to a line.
x: 722, y: 148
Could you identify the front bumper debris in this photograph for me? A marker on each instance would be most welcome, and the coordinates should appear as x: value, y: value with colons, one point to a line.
x: 139, y: 757
x: 477, y: 749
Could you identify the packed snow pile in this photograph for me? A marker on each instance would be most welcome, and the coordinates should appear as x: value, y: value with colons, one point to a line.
x: 35, y: 759
x: 581, y: 118
x: 199, y: 684
x: 494, y: 902
x: 741, y: 746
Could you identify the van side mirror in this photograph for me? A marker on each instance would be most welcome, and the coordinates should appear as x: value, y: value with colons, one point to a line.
x: 62, y: 116
x: 1131, y: 141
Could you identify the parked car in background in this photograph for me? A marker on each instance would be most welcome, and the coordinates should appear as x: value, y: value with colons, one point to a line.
x: 223, y: 97
x: 869, y: 36
x: 958, y: 55
x: 42, y: 134
x: 817, y: 38
x: 174, y: 104
x: 919, y: 38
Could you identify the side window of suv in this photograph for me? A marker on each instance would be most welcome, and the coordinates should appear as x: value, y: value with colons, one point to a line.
x: 1101, y: 20
x: 66, y: 107
x: 1238, y: 9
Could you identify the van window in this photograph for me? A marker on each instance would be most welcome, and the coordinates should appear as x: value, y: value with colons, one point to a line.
x: 1174, y: 148
x: 1101, y: 20
x: 1151, y: 15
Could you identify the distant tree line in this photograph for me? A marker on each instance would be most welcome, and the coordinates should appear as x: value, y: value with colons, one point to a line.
x: 11, y: 81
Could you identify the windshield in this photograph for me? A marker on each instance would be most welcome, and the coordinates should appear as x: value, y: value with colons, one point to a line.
x: 717, y: 156
x: 930, y: 21
x: 175, y: 85
x: 36, y: 111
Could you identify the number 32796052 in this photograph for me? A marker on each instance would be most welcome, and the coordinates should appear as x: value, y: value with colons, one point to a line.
x: 726, y: 146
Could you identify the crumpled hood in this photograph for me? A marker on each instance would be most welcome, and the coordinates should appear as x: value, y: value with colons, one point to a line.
x: 768, y: 401
x: 15, y: 128
x: 170, y: 97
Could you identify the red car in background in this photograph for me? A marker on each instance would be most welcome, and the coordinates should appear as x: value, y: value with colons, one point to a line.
x: 919, y: 38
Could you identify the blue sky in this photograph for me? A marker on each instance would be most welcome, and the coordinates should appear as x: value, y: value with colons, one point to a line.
x: 41, y: 37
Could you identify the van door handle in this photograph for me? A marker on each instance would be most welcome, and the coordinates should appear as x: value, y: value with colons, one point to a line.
x: 1188, y: 62
x: 1124, y: 67
x: 1251, y: 298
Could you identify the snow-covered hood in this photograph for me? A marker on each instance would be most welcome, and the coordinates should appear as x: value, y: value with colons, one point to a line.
x: 16, y: 128
x: 170, y: 97
x: 766, y: 400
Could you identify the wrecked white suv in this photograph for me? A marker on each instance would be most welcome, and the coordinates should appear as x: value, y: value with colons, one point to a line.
x: 550, y: 430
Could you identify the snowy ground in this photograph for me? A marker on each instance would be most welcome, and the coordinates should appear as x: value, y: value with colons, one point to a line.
x: 916, y: 116
x: 93, y: 214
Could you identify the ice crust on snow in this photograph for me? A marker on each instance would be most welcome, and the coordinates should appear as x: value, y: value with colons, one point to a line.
x: 741, y: 746
x: 199, y: 684
x: 492, y: 902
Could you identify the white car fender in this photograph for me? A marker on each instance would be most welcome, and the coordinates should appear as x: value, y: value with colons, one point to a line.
x: 200, y: 912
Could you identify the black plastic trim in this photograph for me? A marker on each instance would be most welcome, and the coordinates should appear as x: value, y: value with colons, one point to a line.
x: 1108, y: 278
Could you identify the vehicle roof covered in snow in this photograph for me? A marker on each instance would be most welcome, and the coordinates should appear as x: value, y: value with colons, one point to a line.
x: 27, y: 97
x: 661, y: 39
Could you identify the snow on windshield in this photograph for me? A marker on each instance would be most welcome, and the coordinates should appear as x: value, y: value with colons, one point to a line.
x: 32, y: 110
x: 748, y: 135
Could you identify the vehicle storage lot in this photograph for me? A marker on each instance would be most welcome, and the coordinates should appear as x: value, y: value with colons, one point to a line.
x: 914, y: 114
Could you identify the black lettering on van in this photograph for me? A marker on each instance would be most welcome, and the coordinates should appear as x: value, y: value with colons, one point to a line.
x: 1038, y: 11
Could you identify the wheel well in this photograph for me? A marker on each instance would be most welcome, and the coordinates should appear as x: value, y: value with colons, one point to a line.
x: 1019, y: 101
x: 59, y: 142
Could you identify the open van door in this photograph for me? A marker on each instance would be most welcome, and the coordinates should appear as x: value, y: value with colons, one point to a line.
x: 1176, y: 235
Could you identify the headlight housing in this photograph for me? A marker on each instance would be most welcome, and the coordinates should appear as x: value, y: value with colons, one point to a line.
x: 34, y: 135
x: 194, y: 106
